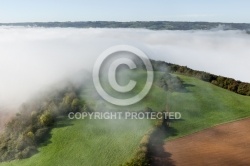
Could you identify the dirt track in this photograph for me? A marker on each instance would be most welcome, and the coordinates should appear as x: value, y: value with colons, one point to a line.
x: 227, y: 144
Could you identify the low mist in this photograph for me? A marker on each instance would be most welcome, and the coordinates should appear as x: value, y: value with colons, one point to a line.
x: 34, y: 58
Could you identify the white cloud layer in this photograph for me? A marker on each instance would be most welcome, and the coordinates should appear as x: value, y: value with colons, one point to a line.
x: 32, y: 58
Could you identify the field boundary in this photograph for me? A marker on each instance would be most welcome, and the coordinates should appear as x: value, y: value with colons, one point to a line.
x: 219, y: 124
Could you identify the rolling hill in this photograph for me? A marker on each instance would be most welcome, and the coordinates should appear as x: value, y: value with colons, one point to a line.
x: 113, y: 142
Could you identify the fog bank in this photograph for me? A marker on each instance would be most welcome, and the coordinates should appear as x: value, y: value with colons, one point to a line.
x: 33, y: 58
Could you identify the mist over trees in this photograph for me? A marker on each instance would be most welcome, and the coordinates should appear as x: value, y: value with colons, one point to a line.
x: 35, y: 57
x: 32, y: 124
x: 230, y: 84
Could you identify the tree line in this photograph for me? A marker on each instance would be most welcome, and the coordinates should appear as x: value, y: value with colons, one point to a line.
x: 32, y: 124
x: 154, y: 25
x: 230, y: 84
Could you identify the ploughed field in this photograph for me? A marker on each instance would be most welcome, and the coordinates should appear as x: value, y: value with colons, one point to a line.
x: 227, y: 144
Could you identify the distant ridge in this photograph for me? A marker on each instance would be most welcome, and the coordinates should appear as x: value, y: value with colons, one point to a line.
x: 154, y: 25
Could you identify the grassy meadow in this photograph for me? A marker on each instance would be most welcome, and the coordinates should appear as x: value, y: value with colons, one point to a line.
x: 113, y: 142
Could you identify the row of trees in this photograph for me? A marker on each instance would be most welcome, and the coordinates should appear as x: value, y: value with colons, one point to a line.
x: 223, y: 82
x: 156, y: 25
x: 150, y: 142
x: 31, y: 126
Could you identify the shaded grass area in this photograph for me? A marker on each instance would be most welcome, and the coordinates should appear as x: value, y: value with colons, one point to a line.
x: 89, y: 142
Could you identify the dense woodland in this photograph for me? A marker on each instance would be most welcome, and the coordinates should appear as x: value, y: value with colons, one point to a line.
x: 154, y: 25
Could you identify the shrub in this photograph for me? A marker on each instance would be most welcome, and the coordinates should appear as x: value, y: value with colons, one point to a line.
x: 76, y: 104
x: 46, y: 119
x: 40, y: 134
x: 31, y: 135
x: 27, y: 152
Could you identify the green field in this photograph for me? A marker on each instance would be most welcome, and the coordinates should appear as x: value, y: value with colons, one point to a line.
x: 89, y: 142
x: 112, y: 142
x: 205, y: 105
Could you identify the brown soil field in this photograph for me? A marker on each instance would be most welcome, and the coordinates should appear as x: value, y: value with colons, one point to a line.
x: 223, y: 145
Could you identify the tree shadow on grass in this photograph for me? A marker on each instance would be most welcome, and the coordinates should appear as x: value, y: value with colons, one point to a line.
x: 185, y: 87
x: 59, y: 123
x: 188, y: 85
x: 157, y: 155
x: 62, y: 122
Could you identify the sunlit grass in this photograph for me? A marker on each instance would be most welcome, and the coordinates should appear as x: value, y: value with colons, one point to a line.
x: 112, y: 142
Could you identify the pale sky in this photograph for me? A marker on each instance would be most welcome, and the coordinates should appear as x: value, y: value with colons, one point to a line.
x: 128, y: 10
